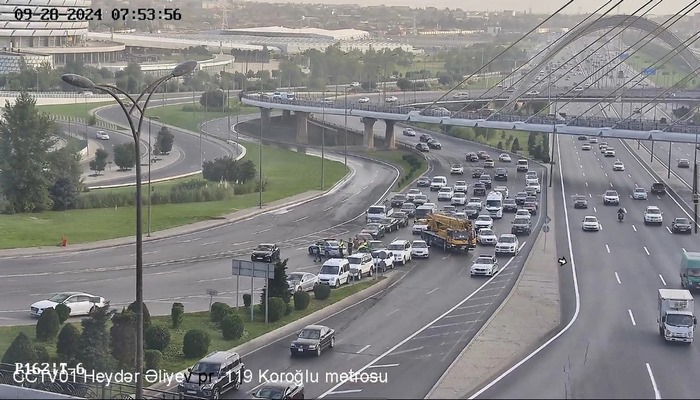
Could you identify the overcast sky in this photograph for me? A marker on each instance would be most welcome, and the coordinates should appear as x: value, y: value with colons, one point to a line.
x: 537, y: 6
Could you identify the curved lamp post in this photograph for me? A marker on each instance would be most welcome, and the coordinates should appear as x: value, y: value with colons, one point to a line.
x: 85, y: 83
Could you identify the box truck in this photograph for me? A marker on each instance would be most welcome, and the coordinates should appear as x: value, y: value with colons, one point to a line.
x: 690, y: 270
x: 676, y: 319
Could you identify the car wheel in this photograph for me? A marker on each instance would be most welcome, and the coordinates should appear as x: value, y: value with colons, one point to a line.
x: 371, y: 272
x: 332, y: 342
x: 337, y: 284
x: 299, y: 289
x: 92, y: 310
x: 215, y: 395
x: 318, y: 350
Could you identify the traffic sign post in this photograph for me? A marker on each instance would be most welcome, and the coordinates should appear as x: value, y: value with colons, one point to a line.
x: 253, y: 270
x: 545, y: 229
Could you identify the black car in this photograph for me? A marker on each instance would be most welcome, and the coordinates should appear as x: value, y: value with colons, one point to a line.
x: 500, y: 174
x: 509, y: 205
x: 312, y: 340
x: 477, y: 172
x: 390, y: 224
x: 213, y: 375
x: 521, y: 225
x: 266, y: 252
x: 402, y: 218
x: 472, y: 157
x: 583, y: 138
x: 658, y: 188
x: 375, y: 229
x: 409, y: 208
x: 434, y: 144
x: 471, y: 211
x: 398, y: 200
x: 422, y: 147
x: 520, y: 198
x: 681, y: 225
x: 479, y: 189
x: 580, y: 202
x: 486, y: 180
x: 425, y: 138
x: 281, y: 390
x: 423, y: 181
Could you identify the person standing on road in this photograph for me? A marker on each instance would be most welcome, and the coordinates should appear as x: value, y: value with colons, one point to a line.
x: 341, y: 248
x: 350, y: 245
x: 317, y: 254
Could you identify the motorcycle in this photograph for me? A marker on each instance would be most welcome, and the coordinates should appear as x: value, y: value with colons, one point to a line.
x: 620, y: 216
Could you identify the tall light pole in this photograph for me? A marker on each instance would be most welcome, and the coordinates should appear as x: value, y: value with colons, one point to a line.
x: 346, y: 126
x: 323, y: 139
x: 85, y: 83
x: 260, y: 152
x: 150, y: 153
x: 695, y: 184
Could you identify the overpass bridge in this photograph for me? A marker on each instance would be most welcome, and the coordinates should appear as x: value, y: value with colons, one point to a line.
x: 638, y: 129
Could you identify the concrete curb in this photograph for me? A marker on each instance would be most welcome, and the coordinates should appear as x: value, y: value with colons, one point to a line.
x: 276, y: 335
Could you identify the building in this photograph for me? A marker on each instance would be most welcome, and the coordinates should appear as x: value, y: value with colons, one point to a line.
x: 311, y: 33
x: 35, y: 40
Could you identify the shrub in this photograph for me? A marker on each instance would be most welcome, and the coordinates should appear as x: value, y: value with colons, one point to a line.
x: 196, y: 343
x: 63, y: 312
x: 177, y: 314
x: 219, y: 311
x: 42, y: 355
x: 322, y: 292
x: 247, y: 300
x: 289, y: 308
x: 301, y: 300
x: 152, y: 359
x: 47, y: 326
x: 232, y: 327
x: 67, y: 343
x: 545, y: 158
x: 277, y: 309
x: 21, y: 350
x: 146, y: 314
x: 157, y: 337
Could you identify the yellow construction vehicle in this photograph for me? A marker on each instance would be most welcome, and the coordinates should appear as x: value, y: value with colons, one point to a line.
x: 449, y: 232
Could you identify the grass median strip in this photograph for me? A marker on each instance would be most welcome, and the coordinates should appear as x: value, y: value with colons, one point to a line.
x: 398, y: 159
x: 173, y: 359
x: 79, y: 109
x: 181, y: 115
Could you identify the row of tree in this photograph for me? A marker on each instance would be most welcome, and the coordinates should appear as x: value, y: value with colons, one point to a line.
x: 125, y: 153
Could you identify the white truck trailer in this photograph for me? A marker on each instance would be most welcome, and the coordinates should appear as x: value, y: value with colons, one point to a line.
x: 676, y: 319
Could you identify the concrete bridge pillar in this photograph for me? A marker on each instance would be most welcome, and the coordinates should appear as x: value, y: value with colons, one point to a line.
x: 389, y: 137
x: 265, y: 118
x: 302, y: 127
x: 285, y: 115
x: 368, y: 139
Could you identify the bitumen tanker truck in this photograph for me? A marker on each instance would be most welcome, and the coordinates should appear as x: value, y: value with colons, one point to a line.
x: 676, y: 319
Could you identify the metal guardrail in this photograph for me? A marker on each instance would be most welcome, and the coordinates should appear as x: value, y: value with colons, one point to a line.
x: 82, y: 121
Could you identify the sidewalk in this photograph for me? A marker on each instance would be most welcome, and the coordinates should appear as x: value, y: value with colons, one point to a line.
x: 527, y: 315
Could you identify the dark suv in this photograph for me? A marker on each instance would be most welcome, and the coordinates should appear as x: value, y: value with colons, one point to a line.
x: 501, y: 174
x: 479, y: 189
x: 266, y: 252
x: 658, y: 187
x: 213, y: 375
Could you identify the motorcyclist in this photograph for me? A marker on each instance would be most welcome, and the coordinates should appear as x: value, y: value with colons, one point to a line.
x: 620, y: 213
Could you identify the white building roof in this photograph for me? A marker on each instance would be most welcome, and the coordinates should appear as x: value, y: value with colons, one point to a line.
x: 338, y: 34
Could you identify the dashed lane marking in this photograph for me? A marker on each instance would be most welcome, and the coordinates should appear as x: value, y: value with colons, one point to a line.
x: 618, y: 278
x: 346, y: 391
x: 634, y: 323
x: 364, y: 348
x: 634, y: 228
x: 301, y: 219
x: 383, y: 366
x: 395, y: 311
x: 662, y: 279
x: 669, y: 230
x: 262, y: 231
x: 433, y: 291
x: 646, y: 250
x: 607, y: 248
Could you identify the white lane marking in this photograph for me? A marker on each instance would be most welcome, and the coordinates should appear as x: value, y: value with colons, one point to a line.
x: 346, y: 391
x: 657, y: 395
x: 463, y: 315
x: 262, y: 231
x: 662, y: 279
x: 67, y: 262
x: 584, y: 174
x: 208, y: 243
x: 395, y: 311
x: 581, y: 166
x: 421, y: 330
x: 611, y: 185
x: 360, y: 192
x: 606, y: 175
x: 683, y: 248
x: 241, y: 243
x: 634, y: 323
x: 301, y: 219
x: 590, y: 195
x: 214, y: 279
x: 577, y: 294
x: 607, y: 248
x: 150, y: 252
x: 344, y: 200
x: 433, y: 291
x: 594, y: 209
x: 452, y: 324
x: 196, y: 239
x: 366, y: 186
x: 646, y: 251
x: 629, y: 175
x: 600, y: 226
x: 364, y: 348
x: 411, y: 350
x: 328, y: 209
x: 384, y: 365
x: 618, y: 278
x: 586, y: 183
x: 634, y: 228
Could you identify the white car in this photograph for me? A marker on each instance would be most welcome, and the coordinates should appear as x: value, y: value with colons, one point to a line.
x: 409, y: 132
x: 301, y: 281
x: 363, y: 100
x: 532, y: 93
x: 653, y: 215
x: 401, y: 250
x: 476, y: 203
x: 392, y: 99
x: 535, y: 185
x: 503, y: 190
x: 609, y: 152
x: 355, y: 84
x: 383, y: 256
x: 523, y: 213
x: 420, y: 199
x: 485, y: 265
x: 504, y: 158
x: 618, y: 166
x: 419, y: 226
x: 458, y: 199
x: 483, y: 222
x: 531, y: 175
x: 457, y: 169
x: 639, y: 194
x: 590, y: 223
x: 611, y: 197
x: 460, y: 187
x: 586, y: 147
x: 420, y: 249
x: 489, y: 163
x: 101, y: 135
x: 361, y: 264
x: 508, y: 244
x: 79, y: 303
x: 486, y: 237
x: 412, y: 193
x: 445, y: 194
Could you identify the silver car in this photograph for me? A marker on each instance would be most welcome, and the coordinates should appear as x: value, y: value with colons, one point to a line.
x: 301, y: 281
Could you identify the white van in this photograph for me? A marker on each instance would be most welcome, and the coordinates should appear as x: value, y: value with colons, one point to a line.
x: 437, y: 183
x: 378, y: 212
x: 423, y: 211
x: 334, y: 272
x: 522, y: 165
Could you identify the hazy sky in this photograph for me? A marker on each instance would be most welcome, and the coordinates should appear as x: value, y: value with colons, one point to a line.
x: 537, y: 6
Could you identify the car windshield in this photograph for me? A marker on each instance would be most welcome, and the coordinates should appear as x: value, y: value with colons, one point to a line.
x: 206, y: 368
x: 59, y: 298
x: 332, y: 243
x: 414, y: 191
x: 459, y: 195
x: 484, y: 260
x: 611, y: 193
x: 682, y: 221
x: 355, y: 260
x: 486, y: 232
x: 509, y: 201
x: 657, y: 185
x: 521, y: 194
x: 271, y: 393
x: 295, y: 276
x: 485, y: 177
x: 590, y: 219
x: 310, y: 334
x: 520, y: 221
x: 507, y: 239
x: 679, y: 320
x: 373, y: 226
x: 395, y: 246
x: 446, y: 190
x: 375, y: 210
x: 399, y: 197
x: 484, y: 218
x: 653, y: 211
x: 399, y: 214
x: 420, y: 245
x: 456, y: 166
x: 640, y: 190
x: 264, y: 247
x: 460, y: 183
x: 407, y: 206
x: 329, y: 270
x: 479, y: 186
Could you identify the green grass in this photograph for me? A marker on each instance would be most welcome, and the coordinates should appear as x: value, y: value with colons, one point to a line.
x: 676, y: 73
x: 173, y: 359
x: 394, y: 157
x: 78, y: 109
x: 288, y: 173
x: 190, y: 120
x: 469, y: 135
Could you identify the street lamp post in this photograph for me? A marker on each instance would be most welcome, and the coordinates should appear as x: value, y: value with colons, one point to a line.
x: 695, y: 184
x: 85, y: 83
x: 150, y: 153
x: 346, y: 126
x: 260, y: 152
x: 323, y: 140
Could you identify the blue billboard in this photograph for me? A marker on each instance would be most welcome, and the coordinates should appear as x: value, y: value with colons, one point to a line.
x: 649, y: 71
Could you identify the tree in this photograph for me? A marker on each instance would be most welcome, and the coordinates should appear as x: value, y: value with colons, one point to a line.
x: 100, y: 162
x: 164, y: 140
x: 216, y: 99
x: 21, y: 350
x: 146, y: 313
x: 228, y: 169
x: 531, y: 141
x: 47, y: 326
x: 125, y: 155
x: 25, y: 142
x: 404, y: 84
x: 278, y: 285
x: 63, y: 194
x: 93, y: 346
x: 122, y: 336
x: 681, y: 112
x: 67, y: 343
x: 515, y: 147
